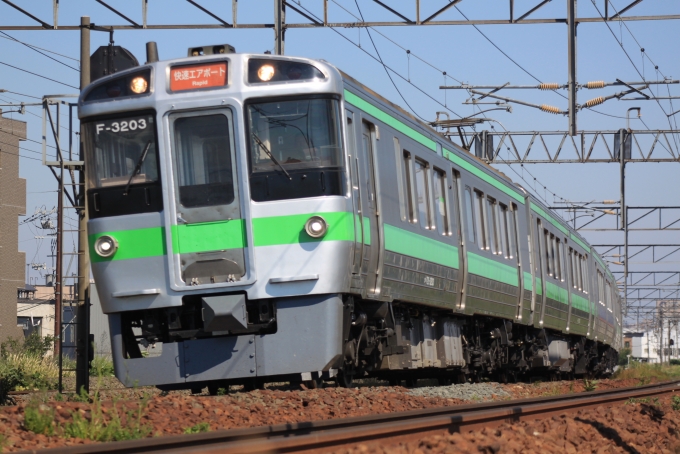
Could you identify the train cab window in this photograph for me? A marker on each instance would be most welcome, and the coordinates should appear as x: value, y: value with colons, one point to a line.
x: 422, y: 193
x: 203, y: 161
x: 295, y: 149
x: 441, y: 216
x: 401, y: 181
x: 492, y: 225
x: 469, y: 215
x: 480, y: 226
x: 116, y: 147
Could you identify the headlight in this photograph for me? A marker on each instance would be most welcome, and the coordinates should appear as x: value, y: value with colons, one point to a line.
x: 139, y: 85
x: 265, y: 73
x: 105, y: 246
x: 316, y: 227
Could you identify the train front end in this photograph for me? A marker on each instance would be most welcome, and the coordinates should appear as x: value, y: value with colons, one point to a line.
x: 220, y: 226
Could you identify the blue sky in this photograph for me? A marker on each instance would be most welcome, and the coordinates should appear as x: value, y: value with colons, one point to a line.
x: 461, y: 51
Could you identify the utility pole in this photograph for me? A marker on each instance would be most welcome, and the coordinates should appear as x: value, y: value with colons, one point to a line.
x: 58, y: 287
x: 571, y: 57
x: 83, y: 314
x: 661, y: 334
x: 279, y: 26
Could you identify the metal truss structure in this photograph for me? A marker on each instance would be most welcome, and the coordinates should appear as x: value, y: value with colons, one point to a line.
x: 409, y: 13
x: 542, y: 147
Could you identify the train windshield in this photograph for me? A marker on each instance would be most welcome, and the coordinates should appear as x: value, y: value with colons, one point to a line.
x: 292, y: 140
x: 121, y: 151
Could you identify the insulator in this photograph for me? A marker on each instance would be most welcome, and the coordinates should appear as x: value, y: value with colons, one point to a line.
x: 550, y: 109
x: 595, y: 84
x: 549, y: 86
x: 594, y: 101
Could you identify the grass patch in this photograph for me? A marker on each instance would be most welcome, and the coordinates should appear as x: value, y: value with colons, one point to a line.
x: 102, y: 366
x: 198, y: 428
x: 646, y: 372
x: 39, y: 418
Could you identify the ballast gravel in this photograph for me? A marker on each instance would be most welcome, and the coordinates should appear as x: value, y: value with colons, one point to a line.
x: 475, y: 392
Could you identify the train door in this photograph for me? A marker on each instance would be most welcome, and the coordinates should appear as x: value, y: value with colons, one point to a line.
x: 356, y: 196
x: 461, y: 231
x: 370, y: 211
x: 512, y: 241
x: 208, y: 237
x: 540, y: 271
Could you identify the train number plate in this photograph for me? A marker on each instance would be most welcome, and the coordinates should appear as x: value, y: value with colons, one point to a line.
x: 191, y: 77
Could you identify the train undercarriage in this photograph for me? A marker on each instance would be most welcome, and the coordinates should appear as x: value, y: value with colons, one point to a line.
x: 398, y: 342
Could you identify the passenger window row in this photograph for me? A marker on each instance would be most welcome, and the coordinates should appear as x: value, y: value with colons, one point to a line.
x: 423, y: 195
x: 491, y: 224
x: 604, y: 291
x: 579, y: 270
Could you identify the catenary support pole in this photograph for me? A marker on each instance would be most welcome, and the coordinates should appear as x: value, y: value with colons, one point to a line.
x: 571, y: 57
x: 83, y: 314
x: 279, y: 26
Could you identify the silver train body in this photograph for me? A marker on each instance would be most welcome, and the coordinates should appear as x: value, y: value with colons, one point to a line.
x: 287, y: 222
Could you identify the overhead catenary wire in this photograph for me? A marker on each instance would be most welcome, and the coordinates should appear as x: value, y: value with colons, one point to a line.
x: 38, y: 75
x: 385, y: 65
x: 41, y: 53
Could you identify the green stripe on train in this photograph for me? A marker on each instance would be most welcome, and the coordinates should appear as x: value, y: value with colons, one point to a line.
x: 290, y: 229
x: 132, y: 244
x: 579, y: 302
x: 408, y: 243
x: 388, y: 119
x: 491, y: 269
x: 556, y: 293
x: 208, y: 236
x: 550, y: 219
x: 482, y: 175
x: 579, y: 242
x: 408, y: 131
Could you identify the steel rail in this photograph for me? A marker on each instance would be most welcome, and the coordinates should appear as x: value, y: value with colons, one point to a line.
x: 306, y: 436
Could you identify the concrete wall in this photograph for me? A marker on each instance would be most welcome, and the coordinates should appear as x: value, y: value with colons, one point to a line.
x: 12, y: 205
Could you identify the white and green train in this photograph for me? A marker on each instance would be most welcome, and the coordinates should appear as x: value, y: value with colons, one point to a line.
x: 263, y: 218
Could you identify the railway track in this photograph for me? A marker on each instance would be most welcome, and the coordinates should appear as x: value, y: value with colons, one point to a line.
x: 333, y: 434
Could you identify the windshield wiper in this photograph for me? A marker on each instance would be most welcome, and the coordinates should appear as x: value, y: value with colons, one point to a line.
x: 266, y: 150
x: 138, y: 167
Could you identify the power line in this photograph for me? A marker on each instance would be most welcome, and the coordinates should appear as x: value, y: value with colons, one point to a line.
x: 385, y: 65
x: 29, y: 72
x: 524, y: 69
x: 41, y: 53
x: 41, y: 48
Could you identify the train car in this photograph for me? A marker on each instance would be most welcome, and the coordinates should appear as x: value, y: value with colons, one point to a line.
x: 258, y: 218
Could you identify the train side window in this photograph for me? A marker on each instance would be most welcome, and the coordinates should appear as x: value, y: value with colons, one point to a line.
x: 579, y: 265
x: 548, y: 253
x: 539, y: 255
x: 409, y: 187
x: 600, y: 288
x: 422, y: 196
x: 492, y: 224
x: 441, y: 215
x: 558, y: 250
x: 502, y: 221
x: 513, y: 250
x: 453, y: 205
x: 608, y: 296
x: 585, y: 274
x: 401, y: 181
x: 469, y: 215
x: 480, y: 226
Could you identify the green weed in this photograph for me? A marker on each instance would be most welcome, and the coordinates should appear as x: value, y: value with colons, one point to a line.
x: 589, y: 385
x: 38, y: 418
x: 675, y: 403
x: 102, y: 367
x: 198, y: 428
x: 641, y: 400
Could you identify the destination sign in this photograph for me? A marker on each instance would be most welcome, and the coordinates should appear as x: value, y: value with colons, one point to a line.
x: 204, y: 75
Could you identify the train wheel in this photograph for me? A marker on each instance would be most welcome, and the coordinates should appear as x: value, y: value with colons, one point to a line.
x: 444, y: 381
x: 411, y: 382
x: 394, y: 382
x: 316, y: 383
x: 345, y: 378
